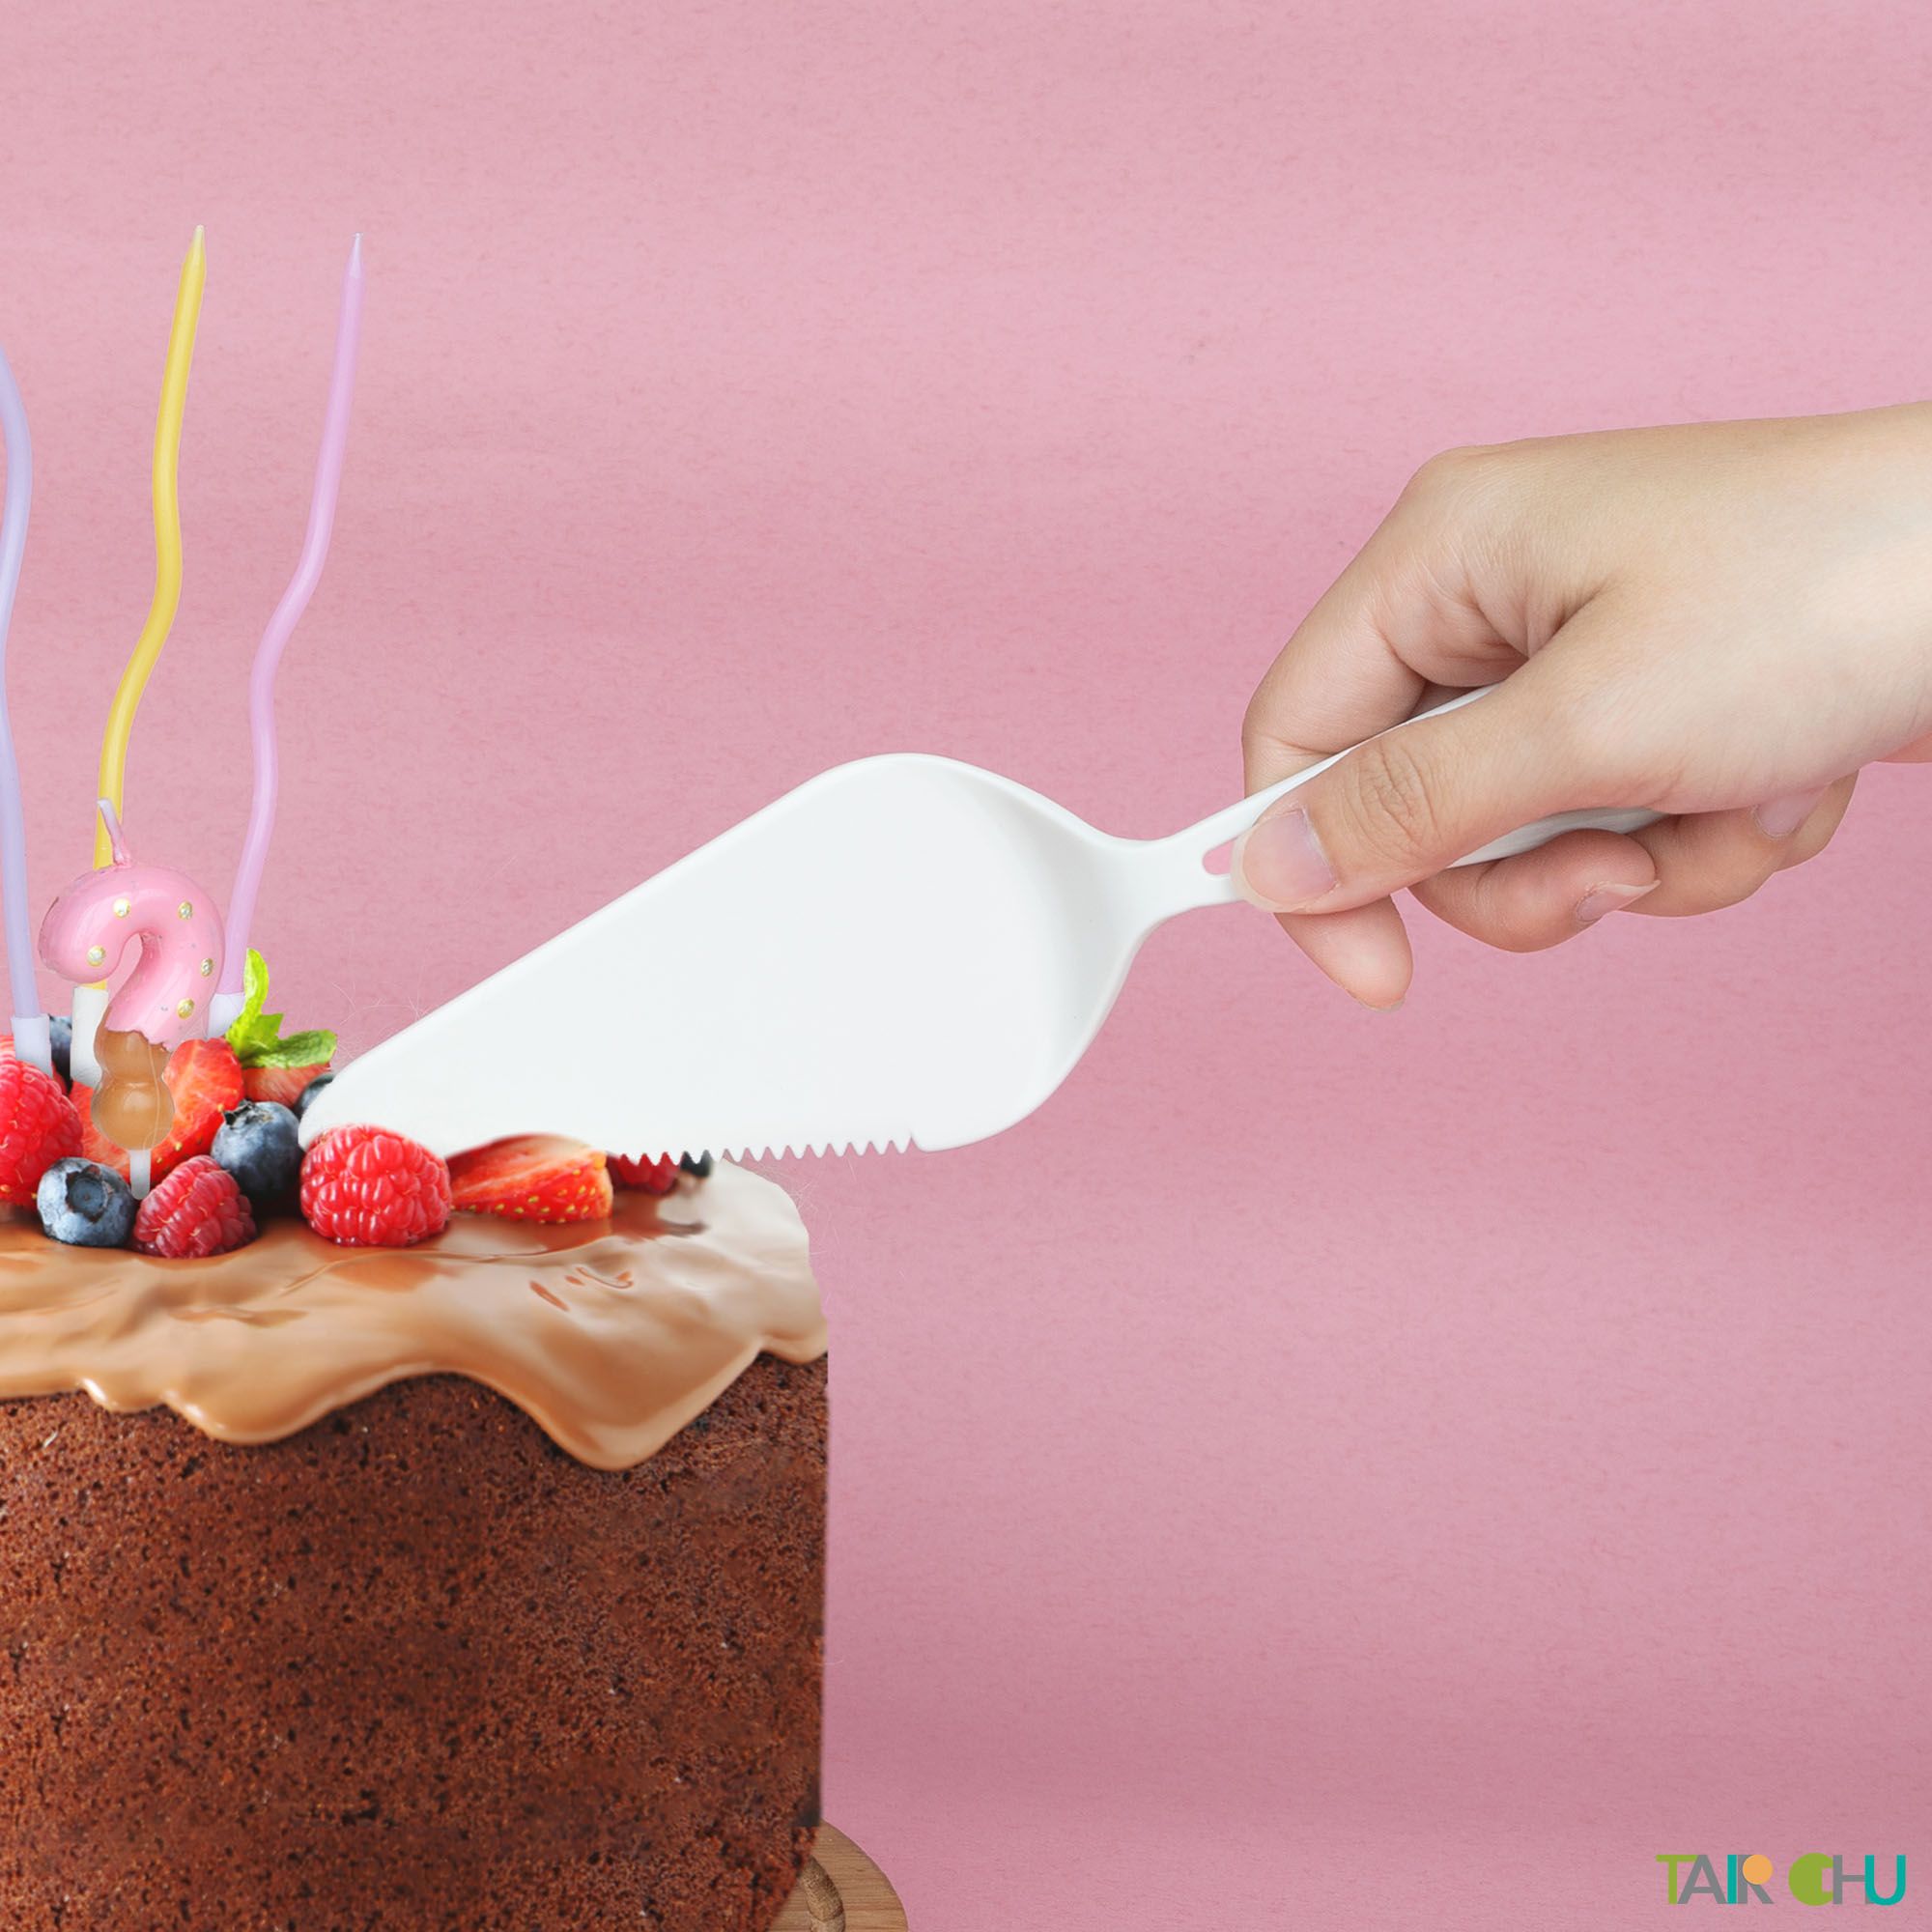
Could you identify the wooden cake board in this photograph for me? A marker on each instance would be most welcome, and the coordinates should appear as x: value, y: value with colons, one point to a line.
x: 842, y: 1890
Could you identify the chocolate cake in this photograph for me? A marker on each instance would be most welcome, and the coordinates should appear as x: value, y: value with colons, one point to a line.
x: 471, y: 1586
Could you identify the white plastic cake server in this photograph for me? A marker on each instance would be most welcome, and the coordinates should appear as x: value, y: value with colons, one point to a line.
x: 905, y: 951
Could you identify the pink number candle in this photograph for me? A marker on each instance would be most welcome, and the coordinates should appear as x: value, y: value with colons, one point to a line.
x: 228, y: 1000
x: 84, y: 937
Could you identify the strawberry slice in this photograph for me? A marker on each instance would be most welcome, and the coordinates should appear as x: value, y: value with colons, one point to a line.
x: 532, y: 1178
x: 204, y: 1078
x: 281, y: 1084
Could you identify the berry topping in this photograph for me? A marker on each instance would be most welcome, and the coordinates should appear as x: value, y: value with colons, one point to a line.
x: 646, y: 1177
x: 283, y: 1084
x: 196, y: 1212
x: 93, y: 1143
x: 205, y: 1082
x: 258, y: 1142
x: 316, y: 1086
x: 274, y: 1067
x: 532, y: 1178
x: 371, y: 1190
x: 85, y: 1204
x: 697, y: 1164
x: 38, y: 1126
x: 60, y: 1037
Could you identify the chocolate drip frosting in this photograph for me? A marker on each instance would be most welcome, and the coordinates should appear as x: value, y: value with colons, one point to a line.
x: 610, y: 1335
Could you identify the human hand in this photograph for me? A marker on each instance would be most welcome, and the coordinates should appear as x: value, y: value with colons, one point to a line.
x: 1721, y: 622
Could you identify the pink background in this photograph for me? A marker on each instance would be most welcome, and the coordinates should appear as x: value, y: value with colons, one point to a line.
x: 1323, y: 1469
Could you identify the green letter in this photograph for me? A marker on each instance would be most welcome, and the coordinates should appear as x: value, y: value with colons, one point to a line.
x: 1806, y: 1878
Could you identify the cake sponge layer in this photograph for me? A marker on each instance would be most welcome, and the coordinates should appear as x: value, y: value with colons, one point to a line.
x: 415, y: 1668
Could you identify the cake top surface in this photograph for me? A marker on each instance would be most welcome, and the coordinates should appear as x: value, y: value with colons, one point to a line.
x: 612, y: 1334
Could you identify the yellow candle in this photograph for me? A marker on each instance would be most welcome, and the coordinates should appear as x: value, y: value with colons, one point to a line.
x: 167, y: 543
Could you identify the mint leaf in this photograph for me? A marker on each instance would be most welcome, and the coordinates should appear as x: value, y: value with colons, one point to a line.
x: 257, y: 1036
x: 254, y: 1036
x: 254, y: 988
x: 298, y: 1049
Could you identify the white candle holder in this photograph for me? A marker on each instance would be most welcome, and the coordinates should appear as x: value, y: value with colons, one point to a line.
x: 90, y: 1008
x: 33, y: 1040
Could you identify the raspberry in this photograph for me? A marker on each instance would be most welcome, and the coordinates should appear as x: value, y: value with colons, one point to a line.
x: 648, y: 1177
x: 38, y: 1126
x: 197, y: 1210
x: 371, y: 1190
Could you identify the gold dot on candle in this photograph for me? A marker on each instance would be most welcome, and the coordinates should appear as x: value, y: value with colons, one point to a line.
x: 186, y: 1007
x: 122, y: 908
x: 96, y: 955
x: 186, y: 908
x: 207, y: 967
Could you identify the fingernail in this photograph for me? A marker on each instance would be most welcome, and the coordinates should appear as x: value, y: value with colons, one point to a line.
x: 1780, y: 817
x: 1602, y: 901
x: 1280, y: 865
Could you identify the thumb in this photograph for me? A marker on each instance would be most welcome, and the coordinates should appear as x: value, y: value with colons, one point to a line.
x: 1408, y: 804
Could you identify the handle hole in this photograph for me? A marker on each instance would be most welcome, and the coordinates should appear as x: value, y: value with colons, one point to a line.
x: 1217, y: 862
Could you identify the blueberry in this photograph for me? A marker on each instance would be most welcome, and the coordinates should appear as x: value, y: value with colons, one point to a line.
x: 85, y: 1204
x: 309, y: 1093
x: 698, y: 1164
x: 258, y: 1144
x: 60, y: 1030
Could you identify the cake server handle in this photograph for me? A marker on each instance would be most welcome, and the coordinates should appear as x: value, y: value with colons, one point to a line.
x: 1205, y: 888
